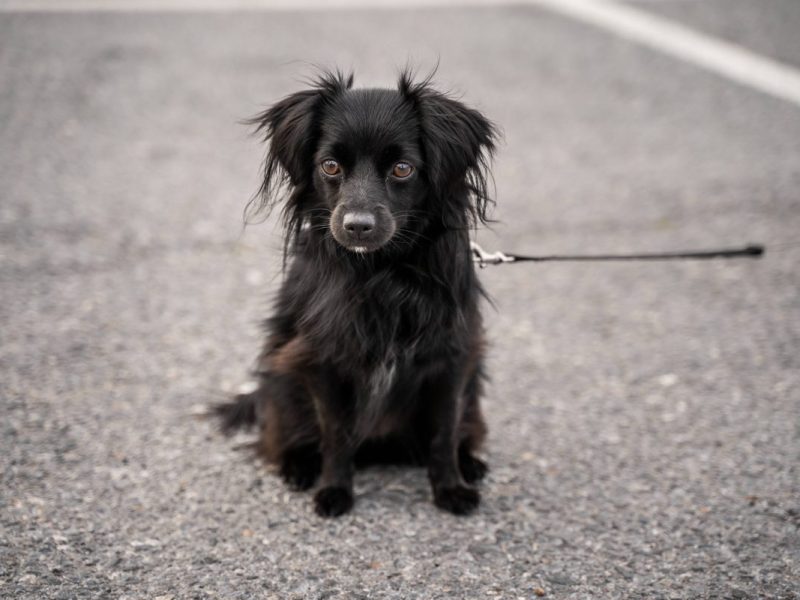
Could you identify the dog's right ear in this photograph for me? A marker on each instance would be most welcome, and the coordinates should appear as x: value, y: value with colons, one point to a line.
x: 291, y: 126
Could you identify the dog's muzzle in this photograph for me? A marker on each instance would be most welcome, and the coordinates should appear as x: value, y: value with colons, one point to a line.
x: 362, y: 230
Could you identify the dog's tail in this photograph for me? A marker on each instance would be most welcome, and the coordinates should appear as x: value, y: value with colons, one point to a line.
x: 239, y: 413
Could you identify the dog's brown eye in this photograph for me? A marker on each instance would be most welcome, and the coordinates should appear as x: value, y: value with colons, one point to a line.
x: 402, y: 170
x: 331, y: 167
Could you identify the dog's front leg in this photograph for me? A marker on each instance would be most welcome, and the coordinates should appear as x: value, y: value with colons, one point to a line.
x: 443, y: 396
x: 333, y: 401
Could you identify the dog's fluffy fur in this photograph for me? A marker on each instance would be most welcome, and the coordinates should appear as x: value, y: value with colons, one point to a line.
x: 375, y: 351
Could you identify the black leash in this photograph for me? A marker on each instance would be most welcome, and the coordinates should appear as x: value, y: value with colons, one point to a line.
x: 483, y: 258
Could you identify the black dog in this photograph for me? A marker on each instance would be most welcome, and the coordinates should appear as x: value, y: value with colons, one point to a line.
x: 375, y: 350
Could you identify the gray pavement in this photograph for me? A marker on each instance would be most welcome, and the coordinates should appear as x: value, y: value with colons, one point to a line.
x: 643, y: 417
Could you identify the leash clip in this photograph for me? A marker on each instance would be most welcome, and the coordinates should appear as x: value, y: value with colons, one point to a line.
x: 483, y: 258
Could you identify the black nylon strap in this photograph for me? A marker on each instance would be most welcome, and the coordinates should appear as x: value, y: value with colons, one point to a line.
x: 483, y: 258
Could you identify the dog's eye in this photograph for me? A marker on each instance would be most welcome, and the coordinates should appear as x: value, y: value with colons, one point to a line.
x: 331, y: 167
x: 402, y: 170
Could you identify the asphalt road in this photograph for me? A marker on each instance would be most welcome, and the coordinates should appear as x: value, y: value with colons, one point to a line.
x: 643, y: 418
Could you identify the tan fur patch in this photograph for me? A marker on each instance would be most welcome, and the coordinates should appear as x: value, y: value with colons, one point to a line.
x: 290, y: 357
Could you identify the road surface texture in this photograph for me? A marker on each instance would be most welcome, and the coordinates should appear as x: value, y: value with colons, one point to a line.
x: 644, y: 417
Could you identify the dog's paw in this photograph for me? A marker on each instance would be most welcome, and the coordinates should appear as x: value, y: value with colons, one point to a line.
x: 459, y: 500
x: 472, y: 469
x: 333, y: 501
x: 300, y: 469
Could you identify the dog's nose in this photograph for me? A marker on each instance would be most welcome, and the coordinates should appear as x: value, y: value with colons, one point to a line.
x: 359, y: 224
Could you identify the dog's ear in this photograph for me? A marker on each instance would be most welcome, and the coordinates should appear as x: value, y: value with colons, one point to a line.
x: 291, y: 126
x: 458, y: 142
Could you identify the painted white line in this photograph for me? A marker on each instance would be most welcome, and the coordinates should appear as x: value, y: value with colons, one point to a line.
x: 720, y: 57
x: 723, y: 58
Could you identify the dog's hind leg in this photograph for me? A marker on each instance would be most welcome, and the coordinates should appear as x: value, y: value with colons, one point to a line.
x: 290, y: 433
x: 288, y: 430
x: 301, y: 466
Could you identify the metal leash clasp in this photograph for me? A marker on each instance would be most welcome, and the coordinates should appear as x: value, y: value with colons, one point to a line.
x: 483, y: 258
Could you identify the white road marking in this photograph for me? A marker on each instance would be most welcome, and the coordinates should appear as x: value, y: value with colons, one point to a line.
x: 718, y: 56
x: 634, y: 23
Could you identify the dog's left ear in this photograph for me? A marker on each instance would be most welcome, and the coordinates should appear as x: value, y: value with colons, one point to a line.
x: 458, y: 142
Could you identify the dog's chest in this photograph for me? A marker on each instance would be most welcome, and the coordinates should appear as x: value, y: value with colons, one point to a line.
x: 382, y: 378
x: 376, y: 398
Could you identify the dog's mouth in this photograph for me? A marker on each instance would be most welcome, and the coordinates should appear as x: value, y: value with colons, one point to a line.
x: 362, y: 231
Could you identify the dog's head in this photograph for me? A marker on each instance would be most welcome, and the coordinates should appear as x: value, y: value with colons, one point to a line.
x: 375, y: 166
